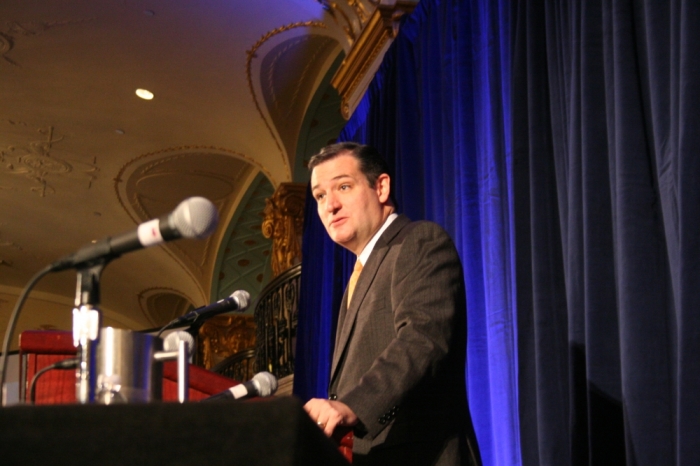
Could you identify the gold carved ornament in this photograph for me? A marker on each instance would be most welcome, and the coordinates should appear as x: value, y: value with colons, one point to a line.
x: 283, y: 222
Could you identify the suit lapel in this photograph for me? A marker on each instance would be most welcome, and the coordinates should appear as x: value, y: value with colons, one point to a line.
x: 348, y: 315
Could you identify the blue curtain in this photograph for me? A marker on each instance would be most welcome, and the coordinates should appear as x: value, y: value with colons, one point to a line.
x: 438, y: 110
x: 606, y: 106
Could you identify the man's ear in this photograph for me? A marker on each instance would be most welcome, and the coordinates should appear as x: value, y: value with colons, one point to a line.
x: 383, y: 187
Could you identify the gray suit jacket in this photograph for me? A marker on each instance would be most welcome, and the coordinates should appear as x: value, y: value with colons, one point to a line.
x: 400, y: 349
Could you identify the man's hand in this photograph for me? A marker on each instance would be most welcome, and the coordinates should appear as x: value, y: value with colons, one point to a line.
x: 328, y: 414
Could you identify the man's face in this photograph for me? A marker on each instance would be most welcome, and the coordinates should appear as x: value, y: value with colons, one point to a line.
x: 351, y: 210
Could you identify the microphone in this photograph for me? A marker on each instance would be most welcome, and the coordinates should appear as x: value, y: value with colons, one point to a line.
x: 172, y: 342
x: 262, y: 384
x: 195, y: 217
x: 238, y: 301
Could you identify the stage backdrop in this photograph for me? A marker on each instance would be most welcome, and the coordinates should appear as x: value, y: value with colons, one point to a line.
x: 438, y: 110
x: 601, y: 237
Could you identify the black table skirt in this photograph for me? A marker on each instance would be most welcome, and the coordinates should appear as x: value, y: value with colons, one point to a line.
x: 268, y: 432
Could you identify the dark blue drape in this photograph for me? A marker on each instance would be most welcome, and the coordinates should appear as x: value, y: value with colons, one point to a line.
x: 606, y: 106
x: 438, y: 110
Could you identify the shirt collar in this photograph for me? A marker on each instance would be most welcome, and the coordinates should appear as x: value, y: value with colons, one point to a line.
x: 364, y: 255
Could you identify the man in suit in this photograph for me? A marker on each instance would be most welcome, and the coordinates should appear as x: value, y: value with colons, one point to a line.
x: 398, y: 373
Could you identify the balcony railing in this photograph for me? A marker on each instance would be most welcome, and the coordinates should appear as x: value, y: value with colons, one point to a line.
x: 276, y: 316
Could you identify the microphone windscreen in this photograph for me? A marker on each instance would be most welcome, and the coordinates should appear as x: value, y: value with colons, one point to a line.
x: 195, y: 217
x: 172, y: 341
x: 267, y: 383
x: 242, y: 297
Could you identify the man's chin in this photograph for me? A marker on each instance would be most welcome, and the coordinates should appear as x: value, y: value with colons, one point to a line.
x: 342, y: 240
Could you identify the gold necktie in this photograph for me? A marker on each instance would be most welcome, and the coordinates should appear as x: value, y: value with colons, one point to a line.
x: 353, y: 279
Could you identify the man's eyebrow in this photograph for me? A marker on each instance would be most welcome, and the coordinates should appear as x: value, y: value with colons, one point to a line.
x: 335, y: 178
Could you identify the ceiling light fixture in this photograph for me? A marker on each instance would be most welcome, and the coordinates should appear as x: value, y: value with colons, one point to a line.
x: 144, y: 94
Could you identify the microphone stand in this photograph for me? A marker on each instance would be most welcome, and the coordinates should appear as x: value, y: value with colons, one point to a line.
x: 86, y: 327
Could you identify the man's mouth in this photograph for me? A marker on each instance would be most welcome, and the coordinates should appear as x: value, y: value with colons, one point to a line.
x: 338, y: 221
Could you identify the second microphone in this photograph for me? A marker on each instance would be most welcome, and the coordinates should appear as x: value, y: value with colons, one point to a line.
x: 238, y: 301
x: 261, y: 385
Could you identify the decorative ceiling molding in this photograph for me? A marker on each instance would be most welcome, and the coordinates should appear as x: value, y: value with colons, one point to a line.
x: 365, y: 56
x: 251, y: 54
x: 13, y: 29
x: 154, y: 183
x: 180, y: 149
x: 284, y: 79
x: 37, y: 161
x: 159, y: 158
x: 283, y: 110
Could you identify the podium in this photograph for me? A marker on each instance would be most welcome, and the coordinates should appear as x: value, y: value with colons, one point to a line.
x: 55, y: 391
x: 270, y: 432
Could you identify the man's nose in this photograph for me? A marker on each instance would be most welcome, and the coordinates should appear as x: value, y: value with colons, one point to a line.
x: 332, y: 203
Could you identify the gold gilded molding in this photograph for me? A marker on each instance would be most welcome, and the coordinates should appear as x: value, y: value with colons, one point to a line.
x: 350, y: 28
x: 223, y: 336
x: 334, y: 11
x: 250, y: 55
x: 360, y: 10
x: 283, y: 222
x: 353, y: 76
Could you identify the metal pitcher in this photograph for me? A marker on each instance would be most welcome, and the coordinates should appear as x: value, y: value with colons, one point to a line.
x: 129, y: 367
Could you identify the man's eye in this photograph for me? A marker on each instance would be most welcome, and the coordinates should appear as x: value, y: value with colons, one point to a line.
x: 344, y: 187
x: 320, y: 197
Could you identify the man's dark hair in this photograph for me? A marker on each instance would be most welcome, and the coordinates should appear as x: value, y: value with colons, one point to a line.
x: 372, y: 164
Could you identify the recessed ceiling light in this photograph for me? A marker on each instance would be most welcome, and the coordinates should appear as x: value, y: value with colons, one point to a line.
x: 144, y: 94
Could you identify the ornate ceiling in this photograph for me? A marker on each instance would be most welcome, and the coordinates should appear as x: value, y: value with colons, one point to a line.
x: 82, y: 157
